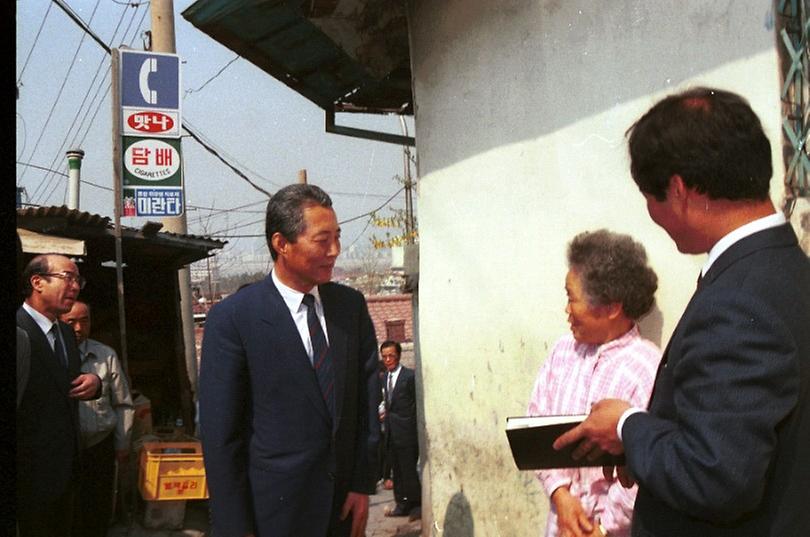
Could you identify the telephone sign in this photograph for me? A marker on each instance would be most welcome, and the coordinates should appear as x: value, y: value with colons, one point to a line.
x: 150, y: 94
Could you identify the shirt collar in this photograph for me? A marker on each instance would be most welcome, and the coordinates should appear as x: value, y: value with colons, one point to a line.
x: 292, y: 297
x: 596, y: 350
x: 766, y: 222
x: 43, y: 322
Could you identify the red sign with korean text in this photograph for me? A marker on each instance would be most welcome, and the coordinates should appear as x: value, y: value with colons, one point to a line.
x: 150, y: 122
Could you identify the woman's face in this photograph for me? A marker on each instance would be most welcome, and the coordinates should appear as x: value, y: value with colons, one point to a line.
x: 589, y: 324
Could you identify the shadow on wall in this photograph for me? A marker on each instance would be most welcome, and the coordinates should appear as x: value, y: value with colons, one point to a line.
x: 458, y: 519
x: 651, y: 326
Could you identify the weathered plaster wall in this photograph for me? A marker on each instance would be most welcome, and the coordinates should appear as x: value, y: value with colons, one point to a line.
x: 521, y: 109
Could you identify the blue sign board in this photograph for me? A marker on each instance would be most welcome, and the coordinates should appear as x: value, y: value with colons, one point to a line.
x: 153, y: 202
x: 150, y: 80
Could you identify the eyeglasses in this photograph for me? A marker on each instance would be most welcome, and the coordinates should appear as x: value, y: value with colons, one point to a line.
x: 69, y: 277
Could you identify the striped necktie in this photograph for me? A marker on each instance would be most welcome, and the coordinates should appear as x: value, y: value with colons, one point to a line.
x: 321, y: 360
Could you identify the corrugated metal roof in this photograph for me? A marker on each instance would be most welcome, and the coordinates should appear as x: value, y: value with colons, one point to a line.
x: 344, y: 55
x: 98, y: 232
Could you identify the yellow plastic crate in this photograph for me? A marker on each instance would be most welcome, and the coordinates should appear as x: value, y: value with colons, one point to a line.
x: 172, y: 471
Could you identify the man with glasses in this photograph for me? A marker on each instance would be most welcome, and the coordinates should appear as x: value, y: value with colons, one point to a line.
x: 48, y: 441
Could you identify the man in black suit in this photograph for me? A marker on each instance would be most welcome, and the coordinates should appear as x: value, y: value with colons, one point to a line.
x: 289, y: 388
x: 47, y: 417
x: 724, y: 448
x: 400, y: 425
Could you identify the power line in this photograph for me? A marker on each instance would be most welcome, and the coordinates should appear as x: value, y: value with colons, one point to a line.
x: 58, y: 96
x: 74, y: 123
x: 228, y: 164
x: 217, y: 235
x: 188, y: 92
x: 33, y: 46
x: 82, y: 24
x: 358, y: 217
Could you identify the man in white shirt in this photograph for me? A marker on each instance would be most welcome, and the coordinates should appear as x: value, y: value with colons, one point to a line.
x: 723, y: 447
x: 289, y: 388
x: 106, y: 426
x: 400, y: 423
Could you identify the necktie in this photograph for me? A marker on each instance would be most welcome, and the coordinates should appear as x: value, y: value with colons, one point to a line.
x: 699, y: 279
x: 321, y: 360
x: 58, y: 349
x: 390, y: 388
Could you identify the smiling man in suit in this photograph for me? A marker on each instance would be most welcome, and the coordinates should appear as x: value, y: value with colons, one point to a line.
x: 48, y: 440
x: 723, y: 448
x: 400, y: 425
x: 287, y: 384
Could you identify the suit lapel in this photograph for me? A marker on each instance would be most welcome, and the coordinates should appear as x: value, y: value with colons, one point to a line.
x: 290, y: 347
x: 777, y: 237
x: 41, y: 350
x: 338, y: 345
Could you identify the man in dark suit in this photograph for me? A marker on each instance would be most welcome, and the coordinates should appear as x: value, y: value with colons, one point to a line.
x: 400, y: 425
x: 47, y: 416
x: 724, y: 446
x: 288, y: 387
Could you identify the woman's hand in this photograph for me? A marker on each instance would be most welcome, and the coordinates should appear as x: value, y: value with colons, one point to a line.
x: 571, y: 518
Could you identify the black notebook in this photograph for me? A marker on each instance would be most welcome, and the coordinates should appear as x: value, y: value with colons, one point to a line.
x: 531, y: 439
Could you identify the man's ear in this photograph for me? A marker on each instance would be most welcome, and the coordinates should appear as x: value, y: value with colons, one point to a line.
x: 279, y: 243
x: 677, y: 187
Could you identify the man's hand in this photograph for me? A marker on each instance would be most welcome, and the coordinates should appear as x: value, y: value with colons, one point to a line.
x: 598, y: 431
x: 85, y: 386
x: 357, y: 505
x: 571, y: 518
x: 621, y: 472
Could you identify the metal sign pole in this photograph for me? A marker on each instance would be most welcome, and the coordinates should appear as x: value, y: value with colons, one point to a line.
x: 117, y: 200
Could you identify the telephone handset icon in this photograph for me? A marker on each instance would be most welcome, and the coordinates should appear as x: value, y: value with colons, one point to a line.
x: 149, y: 66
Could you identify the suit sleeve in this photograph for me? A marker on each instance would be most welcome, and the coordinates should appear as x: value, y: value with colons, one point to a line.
x: 369, y: 397
x: 735, y: 377
x: 223, y: 397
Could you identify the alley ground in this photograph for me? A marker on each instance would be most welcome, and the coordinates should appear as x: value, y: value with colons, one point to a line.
x: 195, y: 522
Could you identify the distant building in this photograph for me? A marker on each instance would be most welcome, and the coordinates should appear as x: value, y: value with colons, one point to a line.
x: 392, y: 316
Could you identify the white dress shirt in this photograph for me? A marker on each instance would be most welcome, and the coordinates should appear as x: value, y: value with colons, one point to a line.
x: 295, y: 303
x: 45, y: 325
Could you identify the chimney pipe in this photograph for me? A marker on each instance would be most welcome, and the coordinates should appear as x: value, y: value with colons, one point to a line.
x: 74, y: 157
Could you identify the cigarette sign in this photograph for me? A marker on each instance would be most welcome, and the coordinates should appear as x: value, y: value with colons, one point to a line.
x: 152, y: 163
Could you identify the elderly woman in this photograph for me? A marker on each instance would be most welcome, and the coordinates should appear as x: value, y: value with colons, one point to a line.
x: 609, y: 287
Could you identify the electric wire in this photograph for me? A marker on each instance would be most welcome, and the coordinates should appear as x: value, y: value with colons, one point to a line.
x: 219, y: 234
x: 109, y: 84
x: 188, y: 92
x: 74, y: 123
x: 33, y: 46
x: 56, y: 101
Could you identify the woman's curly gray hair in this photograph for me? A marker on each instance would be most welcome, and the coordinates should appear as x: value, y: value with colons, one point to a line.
x: 613, y: 268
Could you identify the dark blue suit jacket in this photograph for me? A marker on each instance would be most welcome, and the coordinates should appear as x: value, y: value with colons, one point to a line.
x: 274, y: 459
x: 400, y: 416
x: 48, y: 440
x: 725, y: 447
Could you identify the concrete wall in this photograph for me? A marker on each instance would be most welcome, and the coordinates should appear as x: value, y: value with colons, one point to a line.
x: 520, y: 119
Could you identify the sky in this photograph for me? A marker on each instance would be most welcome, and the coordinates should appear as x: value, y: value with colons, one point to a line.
x: 262, y: 127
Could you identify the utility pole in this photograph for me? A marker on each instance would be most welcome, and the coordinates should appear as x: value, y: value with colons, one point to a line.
x: 409, y: 224
x: 302, y: 176
x: 162, y: 14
